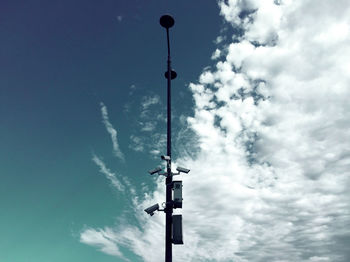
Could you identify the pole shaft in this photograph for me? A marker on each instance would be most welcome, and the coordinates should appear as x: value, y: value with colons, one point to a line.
x: 168, y: 181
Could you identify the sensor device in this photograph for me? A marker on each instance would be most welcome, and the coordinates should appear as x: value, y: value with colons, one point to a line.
x: 156, y: 170
x: 150, y: 210
x: 182, y: 170
x: 177, y: 189
x: 177, y: 230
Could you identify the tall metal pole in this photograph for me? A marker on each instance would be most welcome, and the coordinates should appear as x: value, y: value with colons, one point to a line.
x: 173, y: 223
x: 169, y: 179
x: 167, y: 21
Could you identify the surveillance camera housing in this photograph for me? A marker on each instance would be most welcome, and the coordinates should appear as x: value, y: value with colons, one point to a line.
x: 156, y: 170
x: 167, y: 158
x: 150, y: 210
x: 177, y: 194
x: 182, y: 170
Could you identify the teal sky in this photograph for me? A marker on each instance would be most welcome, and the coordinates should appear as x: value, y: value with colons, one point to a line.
x: 260, y: 116
x: 59, y: 60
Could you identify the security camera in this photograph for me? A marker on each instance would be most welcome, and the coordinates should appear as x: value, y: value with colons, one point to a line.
x: 167, y: 158
x: 150, y: 210
x: 156, y: 170
x: 182, y: 170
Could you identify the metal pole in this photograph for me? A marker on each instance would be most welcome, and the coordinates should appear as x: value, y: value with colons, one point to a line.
x: 169, y: 179
x: 167, y: 21
x: 173, y: 224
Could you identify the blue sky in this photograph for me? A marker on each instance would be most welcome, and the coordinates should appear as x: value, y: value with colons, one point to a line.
x: 60, y: 60
x: 260, y: 116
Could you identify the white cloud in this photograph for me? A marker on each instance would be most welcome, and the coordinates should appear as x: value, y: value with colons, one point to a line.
x: 108, y: 240
x: 149, y: 101
x: 108, y: 173
x: 152, y: 138
x: 206, y: 78
x: 153, y: 143
x: 132, y: 89
x: 148, y: 121
x: 148, y: 126
x: 112, y: 131
x: 219, y: 39
x: 102, y: 240
x: 136, y: 143
x: 271, y: 179
x: 216, y: 54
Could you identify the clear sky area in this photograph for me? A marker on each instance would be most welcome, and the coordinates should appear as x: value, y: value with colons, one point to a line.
x: 260, y: 116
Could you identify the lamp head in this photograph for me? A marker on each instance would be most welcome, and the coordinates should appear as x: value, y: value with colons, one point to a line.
x: 166, y: 21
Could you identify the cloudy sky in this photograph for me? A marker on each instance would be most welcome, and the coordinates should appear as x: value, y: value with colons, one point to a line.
x: 260, y: 116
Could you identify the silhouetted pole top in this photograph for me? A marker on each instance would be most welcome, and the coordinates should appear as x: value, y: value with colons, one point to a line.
x: 166, y: 21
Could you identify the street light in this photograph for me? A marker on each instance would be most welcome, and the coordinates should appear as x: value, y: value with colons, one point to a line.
x: 167, y: 22
x: 173, y: 223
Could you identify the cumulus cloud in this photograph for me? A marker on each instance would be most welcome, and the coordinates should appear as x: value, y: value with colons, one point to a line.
x: 112, y: 131
x: 270, y: 179
x: 216, y: 54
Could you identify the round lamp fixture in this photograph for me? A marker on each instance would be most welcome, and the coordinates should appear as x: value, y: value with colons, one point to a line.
x: 166, y: 21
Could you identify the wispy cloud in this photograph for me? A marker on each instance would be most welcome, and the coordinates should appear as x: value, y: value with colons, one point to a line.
x: 108, y: 173
x: 104, y: 240
x: 119, y: 18
x: 109, y: 239
x: 136, y: 143
x: 152, y: 137
x: 147, y: 101
x: 112, y: 131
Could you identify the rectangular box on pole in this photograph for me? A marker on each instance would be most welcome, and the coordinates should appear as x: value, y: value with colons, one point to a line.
x: 177, y: 188
x: 177, y: 230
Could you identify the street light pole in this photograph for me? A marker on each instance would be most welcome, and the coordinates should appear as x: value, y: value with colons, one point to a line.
x: 167, y: 21
x: 173, y: 223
